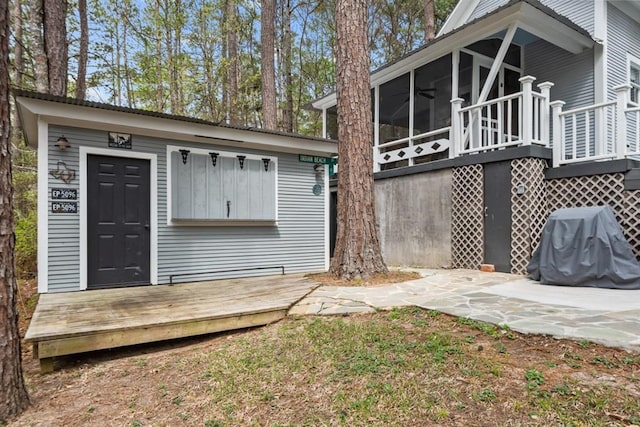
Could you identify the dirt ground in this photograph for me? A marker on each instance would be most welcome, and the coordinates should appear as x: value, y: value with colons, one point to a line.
x: 158, y: 384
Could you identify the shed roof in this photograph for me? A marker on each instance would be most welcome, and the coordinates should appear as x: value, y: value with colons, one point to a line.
x: 34, y: 108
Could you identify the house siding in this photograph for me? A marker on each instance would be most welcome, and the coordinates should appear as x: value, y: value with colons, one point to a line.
x: 296, y: 242
x: 623, y: 37
x: 572, y: 75
x: 580, y: 12
x: 484, y: 7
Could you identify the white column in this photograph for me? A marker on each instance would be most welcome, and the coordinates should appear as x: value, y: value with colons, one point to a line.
x: 545, y: 90
x: 558, y: 132
x: 622, y: 96
x: 376, y: 128
x: 527, y: 110
x: 324, y: 122
x: 455, y: 73
x: 455, y: 134
x: 412, y: 100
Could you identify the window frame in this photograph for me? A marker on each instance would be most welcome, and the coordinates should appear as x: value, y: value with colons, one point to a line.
x: 217, y: 221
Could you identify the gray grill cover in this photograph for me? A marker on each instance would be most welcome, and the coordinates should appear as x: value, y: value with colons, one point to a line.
x: 584, y: 247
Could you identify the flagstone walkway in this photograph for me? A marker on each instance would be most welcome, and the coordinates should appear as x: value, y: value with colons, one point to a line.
x: 606, y: 316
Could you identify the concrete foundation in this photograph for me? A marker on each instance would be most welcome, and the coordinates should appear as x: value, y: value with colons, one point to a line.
x: 414, y: 216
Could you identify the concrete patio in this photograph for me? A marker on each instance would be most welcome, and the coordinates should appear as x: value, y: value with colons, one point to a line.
x: 606, y: 316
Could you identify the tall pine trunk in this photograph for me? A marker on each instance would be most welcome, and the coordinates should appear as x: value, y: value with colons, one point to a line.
x: 81, y: 85
x: 40, y: 69
x: 287, y: 111
x: 232, y: 56
x: 357, y: 252
x: 159, y: 59
x: 55, y: 44
x: 13, y: 394
x: 18, y: 65
x: 429, y: 20
x: 267, y: 39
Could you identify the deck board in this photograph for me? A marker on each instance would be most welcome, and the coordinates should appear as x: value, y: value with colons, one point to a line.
x: 73, y: 322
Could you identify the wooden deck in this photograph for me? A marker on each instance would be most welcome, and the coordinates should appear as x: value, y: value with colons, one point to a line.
x: 76, y: 322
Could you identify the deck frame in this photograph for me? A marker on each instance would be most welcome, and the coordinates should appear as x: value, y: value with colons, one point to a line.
x: 79, y: 322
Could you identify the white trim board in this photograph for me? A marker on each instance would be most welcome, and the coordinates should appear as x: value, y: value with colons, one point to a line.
x: 43, y: 206
x: 153, y: 200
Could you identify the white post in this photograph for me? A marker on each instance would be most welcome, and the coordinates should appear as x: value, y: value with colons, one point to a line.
x: 455, y: 134
x: 545, y: 90
x: 527, y: 109
x: 412, y: 100
x: 622, y: 95
x: 324, y: 122
x: 376, y: 128
x: 558, y: 131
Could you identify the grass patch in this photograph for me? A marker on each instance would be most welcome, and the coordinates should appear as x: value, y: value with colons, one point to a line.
x: 404, y: 367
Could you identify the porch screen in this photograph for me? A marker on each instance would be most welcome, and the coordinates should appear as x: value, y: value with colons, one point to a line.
x: 222, y: 186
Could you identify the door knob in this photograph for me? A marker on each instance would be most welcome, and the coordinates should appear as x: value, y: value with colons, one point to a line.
x: 147, y: 227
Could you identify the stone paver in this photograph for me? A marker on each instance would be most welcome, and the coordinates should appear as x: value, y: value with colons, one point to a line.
x: 606, y: 316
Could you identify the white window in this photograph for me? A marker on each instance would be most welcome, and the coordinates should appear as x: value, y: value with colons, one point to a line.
x: 634, y: 79
x: 214, y: 185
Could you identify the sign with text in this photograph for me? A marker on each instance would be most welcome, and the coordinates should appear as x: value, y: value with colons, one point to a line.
x: 64, y: 207
x: 64, y: 194
x: 305, y: 158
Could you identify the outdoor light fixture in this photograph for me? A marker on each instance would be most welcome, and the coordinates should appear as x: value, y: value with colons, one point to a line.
x: 62, y: 143
x: 214, y: 158
x: 241, y: 160
x: 266, y: 164
x: 185, y: 154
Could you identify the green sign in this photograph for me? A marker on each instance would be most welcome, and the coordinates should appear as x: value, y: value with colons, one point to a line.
x: 317, y: 159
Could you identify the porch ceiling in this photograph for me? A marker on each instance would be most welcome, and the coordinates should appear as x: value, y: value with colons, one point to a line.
x: 533, y: 20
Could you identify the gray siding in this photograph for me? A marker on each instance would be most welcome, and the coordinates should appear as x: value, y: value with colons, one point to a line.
x: 297, y: 242
x: 572, y: 75
x: 484, y: 7
x: 64, y: 229
x: 580, y: 12
x: 623, y: 36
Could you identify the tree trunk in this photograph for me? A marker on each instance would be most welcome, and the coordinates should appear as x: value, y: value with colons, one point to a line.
x: 55, y: 45
x: 159, y: 60
x: 267, y: 38
x: 429, y: 20
x: 81, y: 85
x: 232, y: 56
x: 18, y: 65
x: 38, y: 53
x: 13, y: 394
x: 287, y: 111
x: 357, y: 252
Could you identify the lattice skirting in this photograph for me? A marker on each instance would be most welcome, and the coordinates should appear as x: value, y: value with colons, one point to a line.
x: 467, y: 222
x: 528, y: 210
x: 600, y: 190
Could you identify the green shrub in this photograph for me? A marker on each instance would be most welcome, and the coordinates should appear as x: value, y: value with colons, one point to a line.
x: 26, y: 227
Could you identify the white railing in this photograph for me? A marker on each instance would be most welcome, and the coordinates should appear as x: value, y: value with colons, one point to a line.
x: 603, y: 131
x: 521, y: 118
x: 413, y: 148
x: 633, y: 131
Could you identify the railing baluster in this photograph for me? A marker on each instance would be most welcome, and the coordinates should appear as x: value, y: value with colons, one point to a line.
x: 574, y: 140
x: 587, y: 135
x: 500, y: 124
x: 509, y: 120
